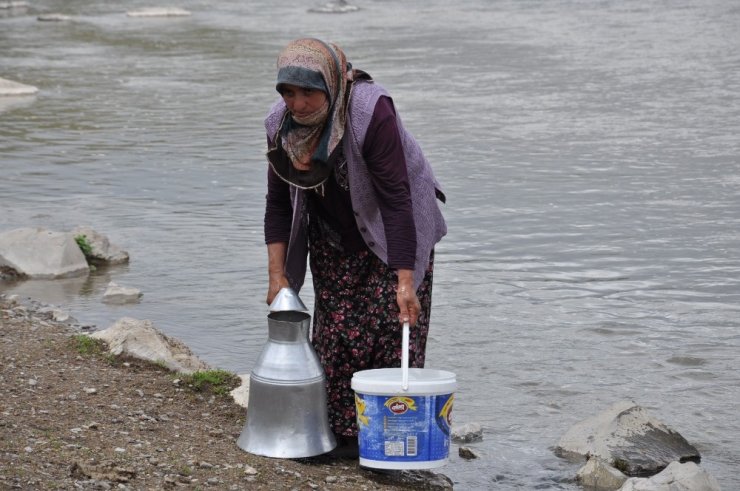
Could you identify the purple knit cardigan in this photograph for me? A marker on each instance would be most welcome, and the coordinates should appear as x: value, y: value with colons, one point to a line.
x: 430, y: 224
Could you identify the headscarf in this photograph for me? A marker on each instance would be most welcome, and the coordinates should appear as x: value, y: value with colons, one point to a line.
x: 312, y: 63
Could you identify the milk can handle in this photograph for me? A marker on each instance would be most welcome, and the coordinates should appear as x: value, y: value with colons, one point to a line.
x: 405, y: 357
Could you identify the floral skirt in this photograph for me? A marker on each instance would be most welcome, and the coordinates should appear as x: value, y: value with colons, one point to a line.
x: 355, y: 325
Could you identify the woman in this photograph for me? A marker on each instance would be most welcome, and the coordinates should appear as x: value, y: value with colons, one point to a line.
x: 350, y: 188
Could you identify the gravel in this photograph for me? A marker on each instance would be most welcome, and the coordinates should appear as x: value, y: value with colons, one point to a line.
x: 80, y: 419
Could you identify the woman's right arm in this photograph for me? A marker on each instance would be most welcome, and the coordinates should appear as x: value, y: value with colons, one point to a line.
x: 278, y: 219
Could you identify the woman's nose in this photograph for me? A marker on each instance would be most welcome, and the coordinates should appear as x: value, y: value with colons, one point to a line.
x: 299, y: 103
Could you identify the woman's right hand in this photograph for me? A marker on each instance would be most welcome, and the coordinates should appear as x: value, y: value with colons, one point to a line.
x: 277, y: 282
x: 275, y: 261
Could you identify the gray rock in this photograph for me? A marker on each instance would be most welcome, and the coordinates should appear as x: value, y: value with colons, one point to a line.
x: 338, y: 7
x: 676, y: 477
x: 466, y: 433
x: 427, y: 480
x: 8, y: 88
x: 241, y: 393
x: 158, y: 12
x: 467, y: 453
x: 597, y: 475
x: 53, y: 17
x: 60, y: 315
x: 40, y: 253
x: 139, y: 338
x: 115, y: 294
x: 102, y: 250
x: 627, y: 438
x: 13, y: 4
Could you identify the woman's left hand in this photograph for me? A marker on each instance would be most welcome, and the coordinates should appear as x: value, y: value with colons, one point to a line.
x: 408, y: 303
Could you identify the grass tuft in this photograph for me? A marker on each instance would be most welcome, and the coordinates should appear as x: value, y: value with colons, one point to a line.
x: 219, y: 382
x: 85, y: 345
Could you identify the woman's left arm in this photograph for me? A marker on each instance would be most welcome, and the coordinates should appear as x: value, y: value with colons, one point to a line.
x: 383, y: 153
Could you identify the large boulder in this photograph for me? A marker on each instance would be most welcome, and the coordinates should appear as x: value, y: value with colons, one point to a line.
x: 627, y: 438
x: 40, y: 253
x: 102, y: 251
x: 140, y: 339
x: 676, y: 477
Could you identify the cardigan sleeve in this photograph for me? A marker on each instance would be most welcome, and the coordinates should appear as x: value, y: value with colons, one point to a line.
x: 278, y: 208
x: 383, y: 152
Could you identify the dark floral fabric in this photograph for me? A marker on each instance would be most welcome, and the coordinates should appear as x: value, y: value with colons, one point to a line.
x: 355, y: 325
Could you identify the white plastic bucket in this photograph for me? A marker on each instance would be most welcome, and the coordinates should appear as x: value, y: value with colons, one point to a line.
x: 404, y: 429
x: 404, y: 415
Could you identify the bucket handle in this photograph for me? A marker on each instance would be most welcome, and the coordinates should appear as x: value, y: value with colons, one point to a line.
x: 405, y: 357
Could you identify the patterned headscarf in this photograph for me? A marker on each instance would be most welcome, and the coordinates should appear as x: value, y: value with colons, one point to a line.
x: 312, y: 63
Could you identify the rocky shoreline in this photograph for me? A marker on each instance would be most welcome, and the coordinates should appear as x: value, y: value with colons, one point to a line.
x: 120, y: 408
x: 73, y: 416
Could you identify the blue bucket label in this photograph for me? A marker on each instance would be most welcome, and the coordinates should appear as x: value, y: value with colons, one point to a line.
x: 404, y: 428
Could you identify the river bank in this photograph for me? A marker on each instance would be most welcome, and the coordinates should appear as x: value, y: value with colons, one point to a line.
x: 75, y: 417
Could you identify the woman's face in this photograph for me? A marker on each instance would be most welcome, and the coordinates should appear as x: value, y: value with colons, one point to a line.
x: 301, y: 101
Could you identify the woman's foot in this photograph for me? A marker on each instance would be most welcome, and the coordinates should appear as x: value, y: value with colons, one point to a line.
x: 347, y: 448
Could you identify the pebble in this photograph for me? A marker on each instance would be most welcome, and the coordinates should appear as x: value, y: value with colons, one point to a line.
x: 249, y: 470
x: 119, y: 450
x: 331, y: 479
x: 467, y: 453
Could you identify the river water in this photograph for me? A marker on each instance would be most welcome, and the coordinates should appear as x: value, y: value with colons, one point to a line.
x: 590, y: 152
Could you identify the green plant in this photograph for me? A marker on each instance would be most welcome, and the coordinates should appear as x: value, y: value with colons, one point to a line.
x: 216, y: 381
x: 85, y: 345
x: 84, y: 245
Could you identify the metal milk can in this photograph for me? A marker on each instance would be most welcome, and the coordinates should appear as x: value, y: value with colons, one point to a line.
x: 287, y: 411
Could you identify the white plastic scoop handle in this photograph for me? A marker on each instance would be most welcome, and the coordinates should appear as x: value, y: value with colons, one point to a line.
x: 405, y: 357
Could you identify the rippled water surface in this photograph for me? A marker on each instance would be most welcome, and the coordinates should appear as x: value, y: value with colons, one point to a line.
x: 589, y: 151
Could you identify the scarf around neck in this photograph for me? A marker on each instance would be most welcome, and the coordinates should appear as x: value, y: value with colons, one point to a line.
x: 311, y: 63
